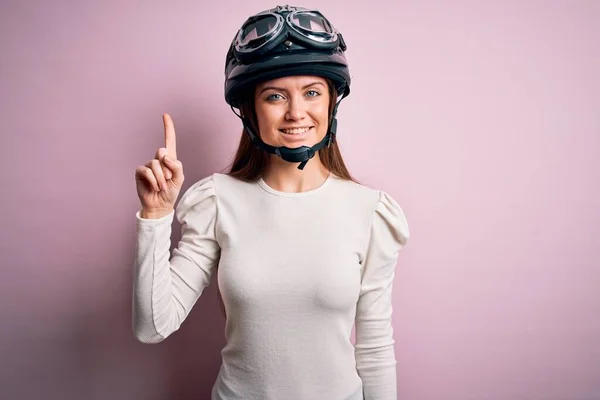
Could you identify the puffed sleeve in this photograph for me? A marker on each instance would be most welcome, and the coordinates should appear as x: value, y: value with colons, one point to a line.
x: 374, y: 348
x: 164, y: 290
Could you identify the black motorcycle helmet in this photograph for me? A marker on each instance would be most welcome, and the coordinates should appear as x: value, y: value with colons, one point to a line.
x: 285, y: 41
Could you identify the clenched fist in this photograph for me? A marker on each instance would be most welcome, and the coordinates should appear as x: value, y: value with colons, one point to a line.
x: 159, y: 181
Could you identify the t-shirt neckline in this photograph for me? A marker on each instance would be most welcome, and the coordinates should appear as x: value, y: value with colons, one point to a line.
x: 269, y: 189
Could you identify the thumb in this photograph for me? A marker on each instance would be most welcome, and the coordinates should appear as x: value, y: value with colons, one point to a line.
x: 176, y: 167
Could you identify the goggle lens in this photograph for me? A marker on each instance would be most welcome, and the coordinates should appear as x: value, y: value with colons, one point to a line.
x: 258, y: 29
x: 311, y: 21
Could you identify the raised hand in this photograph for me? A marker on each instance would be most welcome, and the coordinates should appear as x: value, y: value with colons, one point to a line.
x: 159, y: 181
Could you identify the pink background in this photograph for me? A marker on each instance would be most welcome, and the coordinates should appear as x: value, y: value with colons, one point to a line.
x: 481, y: 118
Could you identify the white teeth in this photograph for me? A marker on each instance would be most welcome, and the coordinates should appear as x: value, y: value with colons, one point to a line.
x: 294, y: 131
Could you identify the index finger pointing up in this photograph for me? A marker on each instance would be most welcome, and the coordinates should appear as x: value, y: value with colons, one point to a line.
x: 170, y: 142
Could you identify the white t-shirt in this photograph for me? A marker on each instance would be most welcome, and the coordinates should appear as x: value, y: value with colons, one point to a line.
x: 295, y: 270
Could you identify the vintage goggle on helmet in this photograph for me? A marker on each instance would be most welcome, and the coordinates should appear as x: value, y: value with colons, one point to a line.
x: 263, y: 32
x: 280, y: 42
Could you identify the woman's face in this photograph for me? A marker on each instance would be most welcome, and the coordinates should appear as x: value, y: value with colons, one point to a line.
x: 292, y: 111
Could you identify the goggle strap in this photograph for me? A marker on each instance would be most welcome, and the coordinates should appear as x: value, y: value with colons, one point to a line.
x: 342, y: 42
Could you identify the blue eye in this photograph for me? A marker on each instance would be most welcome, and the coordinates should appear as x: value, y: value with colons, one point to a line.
x: 313, y: 95
x: 272, y: 97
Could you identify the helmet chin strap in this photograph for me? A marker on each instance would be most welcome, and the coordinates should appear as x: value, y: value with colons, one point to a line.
x: 300, y: 154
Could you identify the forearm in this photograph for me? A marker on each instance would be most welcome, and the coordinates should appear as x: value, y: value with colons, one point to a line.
x: 154, y: 316
x: 379, y: 383
x: 376, y: 367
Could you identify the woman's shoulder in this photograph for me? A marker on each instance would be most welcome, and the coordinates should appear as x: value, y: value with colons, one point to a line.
x: 203, y: 196
x: 199, y: 194
x: 375, y: 199
x: 218, y: 185
x: 357, y: 191
x: 203, y: 187
x: 387, y: 214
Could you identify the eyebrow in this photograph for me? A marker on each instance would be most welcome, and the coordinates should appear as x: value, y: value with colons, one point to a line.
x: 284, y: 90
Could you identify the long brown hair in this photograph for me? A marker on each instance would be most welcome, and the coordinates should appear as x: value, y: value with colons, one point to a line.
x: 249, y: 162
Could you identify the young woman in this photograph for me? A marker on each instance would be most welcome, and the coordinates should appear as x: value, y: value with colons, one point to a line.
x: 301, y: 250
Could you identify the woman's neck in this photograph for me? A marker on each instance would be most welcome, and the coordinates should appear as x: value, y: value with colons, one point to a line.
x: 286, y: 177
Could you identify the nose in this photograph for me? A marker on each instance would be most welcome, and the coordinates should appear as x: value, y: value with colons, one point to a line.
x: 296, y: 109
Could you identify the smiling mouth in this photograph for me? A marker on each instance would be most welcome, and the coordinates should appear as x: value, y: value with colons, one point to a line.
x: 296, y: 131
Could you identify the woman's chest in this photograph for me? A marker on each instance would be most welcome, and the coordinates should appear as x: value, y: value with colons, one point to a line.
x: 292, y: 262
